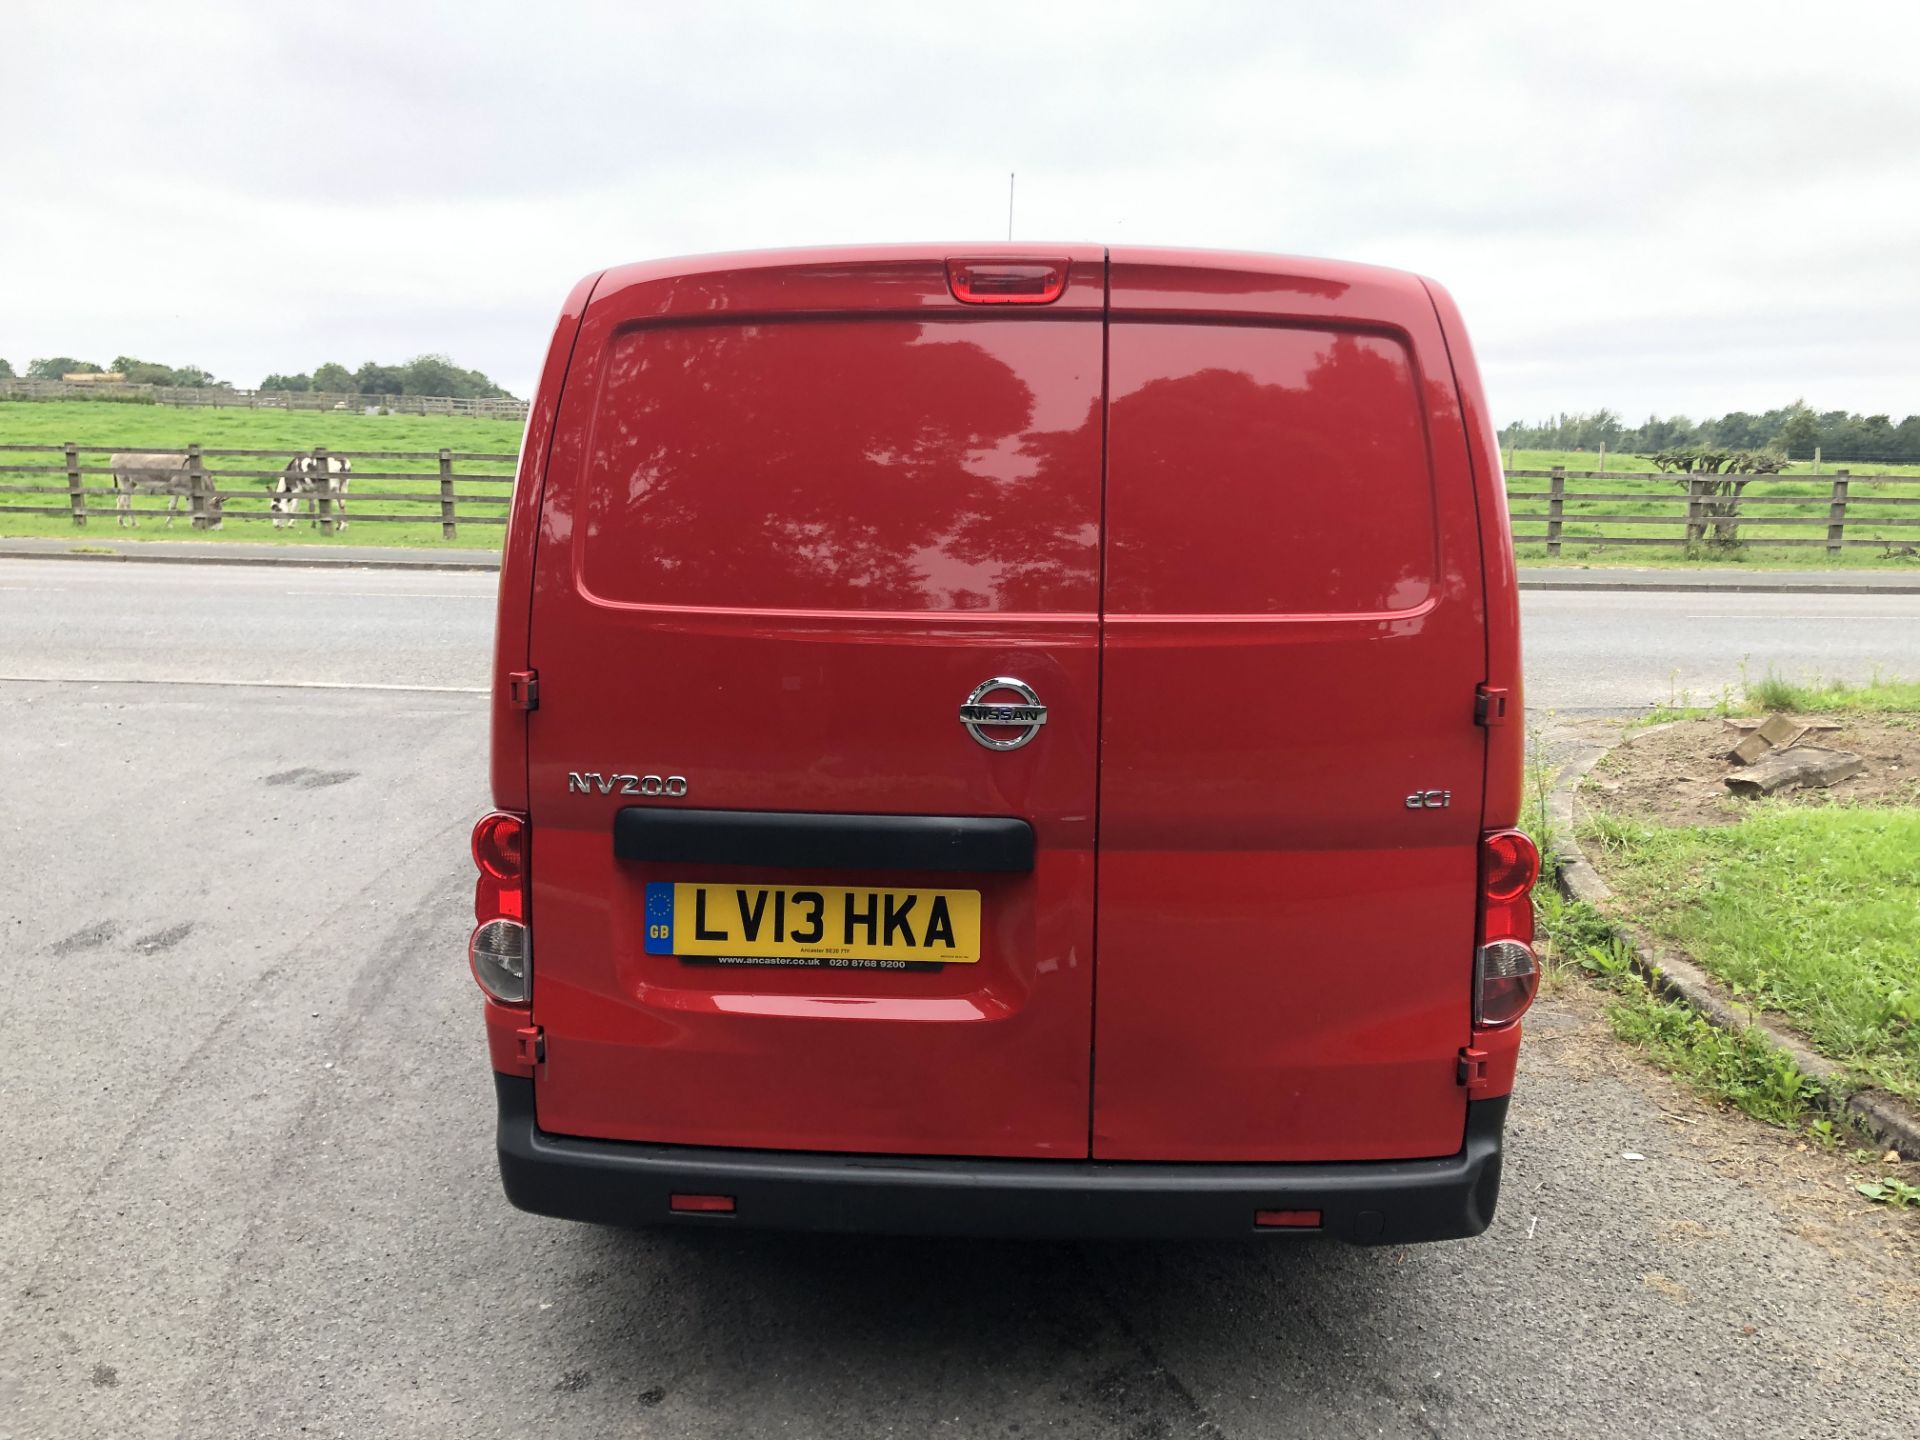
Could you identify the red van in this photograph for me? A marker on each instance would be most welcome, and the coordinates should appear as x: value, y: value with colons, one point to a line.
x: 1017, y: 742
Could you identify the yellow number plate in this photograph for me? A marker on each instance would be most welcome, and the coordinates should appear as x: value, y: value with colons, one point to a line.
x: 824, y: 923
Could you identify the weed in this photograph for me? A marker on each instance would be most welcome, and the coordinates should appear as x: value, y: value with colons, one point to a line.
x: 1889, y: 1191
x: 1772, y: 692
x: 1565, y: 930
x: 1612, y: 959
x: 1742, y: 1067
x: 1536, y: 818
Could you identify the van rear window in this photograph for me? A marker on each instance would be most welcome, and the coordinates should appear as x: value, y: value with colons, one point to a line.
x: 1265, y: 470
x: 860, y: 464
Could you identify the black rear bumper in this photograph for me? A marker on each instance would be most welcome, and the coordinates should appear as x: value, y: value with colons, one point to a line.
x: 611, y: 1182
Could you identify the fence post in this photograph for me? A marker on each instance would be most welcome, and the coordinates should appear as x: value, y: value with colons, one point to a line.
x: 1837, y: 515
x: 323, y: 497
x: 196, y: 488
x: 1556, y: 507
x: 446, y: 495
x: 1696, y: 530
x: 1816, y: 459
x: 76, y: 491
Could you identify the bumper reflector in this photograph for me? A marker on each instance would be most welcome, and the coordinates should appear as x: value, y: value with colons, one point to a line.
x: 1286, y: 1219
x: 700, y: 1204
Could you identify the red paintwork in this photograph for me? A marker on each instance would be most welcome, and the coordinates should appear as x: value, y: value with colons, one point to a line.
x: 1284, y: 951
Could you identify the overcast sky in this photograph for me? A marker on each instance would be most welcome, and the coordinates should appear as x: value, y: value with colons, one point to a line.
x: 1675, y: 207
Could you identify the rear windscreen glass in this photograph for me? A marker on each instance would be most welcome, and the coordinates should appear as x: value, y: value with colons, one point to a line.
x: 1262, y: 470
x: 860, y: 464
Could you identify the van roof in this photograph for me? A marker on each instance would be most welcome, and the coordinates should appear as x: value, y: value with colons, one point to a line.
x: 1318, y: 273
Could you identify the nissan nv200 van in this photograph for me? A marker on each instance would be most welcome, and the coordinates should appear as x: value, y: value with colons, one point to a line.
x: 1001, y: 741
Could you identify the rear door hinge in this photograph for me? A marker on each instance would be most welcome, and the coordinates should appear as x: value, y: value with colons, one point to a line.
x: 530, y: 1045
x: 1489, y: 705
x: 1472, y: 1071
x: 523, y: 689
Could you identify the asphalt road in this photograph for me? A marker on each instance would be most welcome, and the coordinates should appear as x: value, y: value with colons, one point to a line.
x: 246, y: 1146
x: 1587, y: 653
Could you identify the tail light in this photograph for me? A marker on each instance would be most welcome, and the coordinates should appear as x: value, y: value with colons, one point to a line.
x: 500, y: 949
x: 1506, y: 975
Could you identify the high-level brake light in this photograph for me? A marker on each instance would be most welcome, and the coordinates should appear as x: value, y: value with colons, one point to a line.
x: 1007, y: 282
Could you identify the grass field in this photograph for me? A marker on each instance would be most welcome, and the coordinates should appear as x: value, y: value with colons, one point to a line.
x: 99, y: 428
x: 106, y: 426
x: 1799, y: 497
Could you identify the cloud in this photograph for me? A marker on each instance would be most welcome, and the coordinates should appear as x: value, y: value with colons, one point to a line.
x: 1651, y: 207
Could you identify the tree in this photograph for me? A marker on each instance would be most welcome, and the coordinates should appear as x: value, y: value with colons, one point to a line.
x: 1737, y: 430
x: 142, y: 372
x: 6, y: 370
x: 54, y: 366
x: 301, y: 383
x: 438, y: 375
x: 432, y: 375
x: 1799, y: 432
x: 1715, y: 480
x: 332, y: 378
x: 194, y: 376
x: 1795, y: 430
x: 372, y: 379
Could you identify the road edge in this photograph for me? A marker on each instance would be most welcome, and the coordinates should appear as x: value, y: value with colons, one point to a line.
x: 1712, y: 585
x: 299, y: 562
x: 1882, y: 1115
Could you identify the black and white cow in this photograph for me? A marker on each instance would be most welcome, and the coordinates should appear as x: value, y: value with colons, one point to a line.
x: 308, y: 480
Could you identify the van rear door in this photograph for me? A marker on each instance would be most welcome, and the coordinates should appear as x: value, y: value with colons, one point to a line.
x: 799, y: 509
x: 1294, y: 633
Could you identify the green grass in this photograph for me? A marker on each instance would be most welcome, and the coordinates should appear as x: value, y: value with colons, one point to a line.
x: 1813, y: 913
x: 1776, y: 692
x: 92, y: 424
x: 101, y: 428
x: 1743, y: 1069
x: 1878, y: 696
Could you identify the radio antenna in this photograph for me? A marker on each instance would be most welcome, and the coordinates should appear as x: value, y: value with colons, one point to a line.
x: 1010, y: 206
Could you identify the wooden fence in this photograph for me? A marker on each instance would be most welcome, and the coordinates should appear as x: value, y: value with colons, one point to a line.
x: 72, y: 484
x: 447, y: 488
x: 222, y: 396
x: 1832, y: 511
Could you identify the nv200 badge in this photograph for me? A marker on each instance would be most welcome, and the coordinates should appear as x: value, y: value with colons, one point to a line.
x: 588, y: 782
